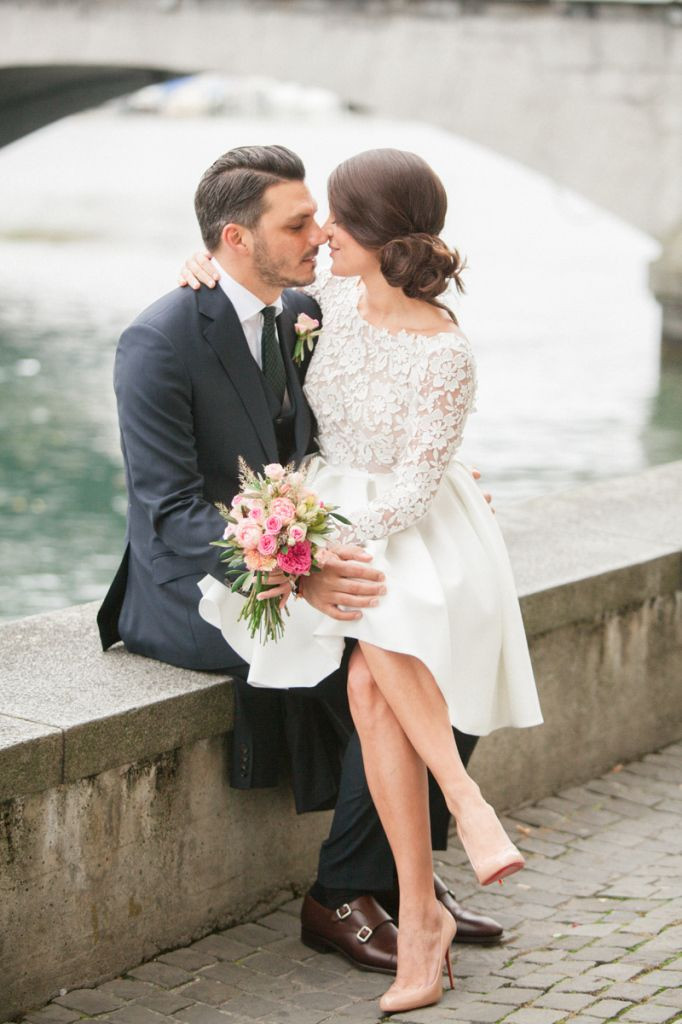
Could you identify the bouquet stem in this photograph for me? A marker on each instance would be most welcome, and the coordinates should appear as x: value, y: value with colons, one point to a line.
x: 263, y: 617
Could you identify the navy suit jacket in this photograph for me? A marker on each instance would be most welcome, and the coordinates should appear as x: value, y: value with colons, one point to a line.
x: 191, y: 400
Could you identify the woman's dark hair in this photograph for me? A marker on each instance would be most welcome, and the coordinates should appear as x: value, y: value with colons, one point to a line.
x: 393, y: 203
x: 232, y: 189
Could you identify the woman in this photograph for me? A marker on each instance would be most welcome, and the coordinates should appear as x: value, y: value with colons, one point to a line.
x: 391, y: 383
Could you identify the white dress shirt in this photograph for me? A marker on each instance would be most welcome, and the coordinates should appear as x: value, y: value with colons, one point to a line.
x: 248, y: 308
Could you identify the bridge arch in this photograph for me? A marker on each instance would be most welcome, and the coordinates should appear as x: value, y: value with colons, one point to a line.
x: 593, y: 102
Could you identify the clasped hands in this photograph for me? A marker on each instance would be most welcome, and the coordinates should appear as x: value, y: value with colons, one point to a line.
x: 345, y: 584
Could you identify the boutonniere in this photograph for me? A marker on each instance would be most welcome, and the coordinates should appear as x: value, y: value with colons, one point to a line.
x: 307, y: 330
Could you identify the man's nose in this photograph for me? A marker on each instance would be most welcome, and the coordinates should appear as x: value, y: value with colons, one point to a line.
x: 322, y: 233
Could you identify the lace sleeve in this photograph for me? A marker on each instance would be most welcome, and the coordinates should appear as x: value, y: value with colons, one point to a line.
x: 439, y: 413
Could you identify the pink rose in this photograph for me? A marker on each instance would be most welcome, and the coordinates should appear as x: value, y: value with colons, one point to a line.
x: 274, y: 471
x: 256, y: 512
x: 297, y: 560
x: 273, y: 524
x: 285, y: 509
x: 297, y: 533
x: 238, y: 499
x: 267, y: 545
x: 305, y: 323
x: 248, y: 534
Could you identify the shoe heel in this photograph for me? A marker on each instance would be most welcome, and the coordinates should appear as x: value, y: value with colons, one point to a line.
x: 315, y: 942
x: 448, y: 964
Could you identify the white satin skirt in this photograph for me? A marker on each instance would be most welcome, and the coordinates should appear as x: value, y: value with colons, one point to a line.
x: 451, y: 602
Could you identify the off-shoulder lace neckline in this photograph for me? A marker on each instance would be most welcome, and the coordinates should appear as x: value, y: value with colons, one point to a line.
x: 403, y: 332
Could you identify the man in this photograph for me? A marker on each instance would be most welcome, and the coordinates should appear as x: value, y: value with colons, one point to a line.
x: 203, y: 377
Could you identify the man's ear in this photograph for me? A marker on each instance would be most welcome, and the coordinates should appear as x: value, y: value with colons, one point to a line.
x: 236, y: 238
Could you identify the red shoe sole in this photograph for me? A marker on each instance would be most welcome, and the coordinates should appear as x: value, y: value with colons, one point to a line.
x: 508, y: 869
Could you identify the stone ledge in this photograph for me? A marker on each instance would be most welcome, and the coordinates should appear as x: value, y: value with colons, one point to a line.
x: 68, y: 711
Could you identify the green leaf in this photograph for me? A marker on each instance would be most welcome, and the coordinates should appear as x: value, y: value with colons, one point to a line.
x: 238, y: 582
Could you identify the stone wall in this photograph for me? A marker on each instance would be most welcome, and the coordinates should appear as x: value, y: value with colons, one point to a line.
x: 119, y: 836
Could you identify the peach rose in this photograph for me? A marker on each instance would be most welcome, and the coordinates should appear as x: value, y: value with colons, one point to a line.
x: 248, y: 535
x: 256, y: 562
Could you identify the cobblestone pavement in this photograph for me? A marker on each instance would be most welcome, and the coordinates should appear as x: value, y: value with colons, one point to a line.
x: 593, y: 933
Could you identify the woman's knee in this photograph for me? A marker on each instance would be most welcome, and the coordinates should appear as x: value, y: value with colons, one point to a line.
x: 364, y: 696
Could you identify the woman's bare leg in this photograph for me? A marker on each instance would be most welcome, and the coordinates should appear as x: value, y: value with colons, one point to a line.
x: 397, y: 780
x: 419, y: 706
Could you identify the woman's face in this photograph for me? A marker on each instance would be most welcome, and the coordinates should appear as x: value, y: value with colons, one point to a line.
x: 349, y: 259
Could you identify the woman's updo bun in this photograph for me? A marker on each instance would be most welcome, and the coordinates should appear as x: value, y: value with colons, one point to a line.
x: 391, y: 202
x: 422, y: 265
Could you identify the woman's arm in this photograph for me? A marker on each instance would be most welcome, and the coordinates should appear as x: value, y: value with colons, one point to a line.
x: 445, y: 397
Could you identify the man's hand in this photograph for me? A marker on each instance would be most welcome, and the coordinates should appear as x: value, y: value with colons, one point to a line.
x: 486, y: 494
x: 345, y: 581
x: 198, y: 270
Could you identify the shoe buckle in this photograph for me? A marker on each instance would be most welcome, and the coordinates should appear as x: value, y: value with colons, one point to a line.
x: 343, y: 912
x: 365, y: 934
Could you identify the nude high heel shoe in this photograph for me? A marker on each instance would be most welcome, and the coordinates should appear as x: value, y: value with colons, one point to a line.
x: 397, y: 1000
x: 491, y: 852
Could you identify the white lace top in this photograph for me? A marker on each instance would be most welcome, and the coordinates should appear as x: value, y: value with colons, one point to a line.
x: 386, y: 403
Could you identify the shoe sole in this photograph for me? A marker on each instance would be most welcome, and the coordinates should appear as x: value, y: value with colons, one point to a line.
x: 320, y: 945
x: 509, y: 869
x: 479, y: 940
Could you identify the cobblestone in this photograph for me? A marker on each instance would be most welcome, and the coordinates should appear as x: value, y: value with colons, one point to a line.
x: 593, y: 929
x: 650, y: 1013
x: 606, y: 1009
x: 535, y: 1015
x: 135, y: 1014
x: 89, y: 1000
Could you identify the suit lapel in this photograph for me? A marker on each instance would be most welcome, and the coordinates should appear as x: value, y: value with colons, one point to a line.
x: 222, y: 330
x: 287, y: 337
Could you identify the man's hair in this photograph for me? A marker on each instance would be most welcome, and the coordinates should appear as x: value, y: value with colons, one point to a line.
x: 232, y: 189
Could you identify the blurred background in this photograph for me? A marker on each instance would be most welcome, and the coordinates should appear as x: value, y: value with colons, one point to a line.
x: 529, y: 112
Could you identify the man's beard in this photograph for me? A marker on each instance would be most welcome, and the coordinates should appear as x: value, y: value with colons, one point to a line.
x: 274, y: 272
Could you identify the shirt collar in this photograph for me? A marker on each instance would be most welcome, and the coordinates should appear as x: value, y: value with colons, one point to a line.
x: 246, y: 304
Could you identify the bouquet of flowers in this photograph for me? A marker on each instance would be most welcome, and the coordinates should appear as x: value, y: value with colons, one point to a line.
x: 275, y: 522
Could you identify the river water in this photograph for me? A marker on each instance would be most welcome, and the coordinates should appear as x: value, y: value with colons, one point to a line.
x: 95, y: 218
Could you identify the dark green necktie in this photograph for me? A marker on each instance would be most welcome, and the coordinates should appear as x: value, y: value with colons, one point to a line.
x: 271, y: 354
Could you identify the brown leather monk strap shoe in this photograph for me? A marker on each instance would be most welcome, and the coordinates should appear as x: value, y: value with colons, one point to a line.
x: 361, y: 930
x: 471, y: 927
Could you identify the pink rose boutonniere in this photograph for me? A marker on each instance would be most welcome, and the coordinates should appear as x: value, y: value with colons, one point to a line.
x: 307, y: 330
